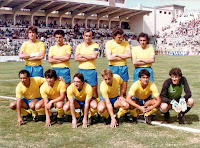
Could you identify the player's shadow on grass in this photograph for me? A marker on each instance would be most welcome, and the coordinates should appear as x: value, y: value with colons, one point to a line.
x: 189, y: 119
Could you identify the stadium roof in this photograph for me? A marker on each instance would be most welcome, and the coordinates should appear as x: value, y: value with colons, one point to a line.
x: 61, y: 7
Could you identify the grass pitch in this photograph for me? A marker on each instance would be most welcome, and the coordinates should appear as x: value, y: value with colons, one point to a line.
x: 126, y: 135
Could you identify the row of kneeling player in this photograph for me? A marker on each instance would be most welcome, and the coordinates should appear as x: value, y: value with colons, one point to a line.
x: 36, y: 96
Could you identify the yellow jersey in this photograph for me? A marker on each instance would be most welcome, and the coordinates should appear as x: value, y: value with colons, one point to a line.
x: 52, y: 93
x: 29, y: 48
x: 137, y: 91
x: 86, y: 92
x: 83, y: 50
x: 140, y: 53
x: 116, y: 48
x: 111, y: 91
x: 33, y: 91
x: 60, y: 51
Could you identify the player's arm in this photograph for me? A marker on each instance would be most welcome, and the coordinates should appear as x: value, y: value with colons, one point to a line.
x: 63, y: 58
x: 143, y: 109
x: 92, y: 56
x: 86, y: 109
x: 149, y: 60
x: 19, y: 119
x: 48, y: 120
x: 126, y: 55
x: 137, y: 62
x: 80, y: 58
x: 23, y: 55
x: 112, y: 57
x: 72, y: 108
x: 52, y: 60
x: 164, y: 92
x: 187, y: 90
x: 110, y: 111
x: 39, y: 57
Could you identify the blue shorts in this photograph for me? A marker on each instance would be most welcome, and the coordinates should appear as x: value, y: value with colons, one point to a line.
x: 81, y: 103
x: 141, y: 101
x: 90, y: 76
x: 122, y: 71
x: 27, y: 101
x: 138, y: 69
x: 112, y: 100
x: 35, y: 71
x: 63, y: 72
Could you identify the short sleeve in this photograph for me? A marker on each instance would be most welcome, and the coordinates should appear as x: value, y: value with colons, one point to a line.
x: 133, y: 52
x: 152, y: 51
x: 132, y: 90
x: 23, y: 46
x: 70, y: 91
x: 62, y: 87
x: 43, y: 91
x: 51, y: 51
x: 119, y: 79
x: 104, y: 90
x: 68, y: 49
x: 89, y: 92
x: 42, y: 46
x: 154, y: 90
x: 127, y: 46
x: 108, y: 48
x: 78, y: 48
x: 18, y: 92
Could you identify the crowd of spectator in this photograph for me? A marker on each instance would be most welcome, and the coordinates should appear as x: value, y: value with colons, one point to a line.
x: 181, y: 35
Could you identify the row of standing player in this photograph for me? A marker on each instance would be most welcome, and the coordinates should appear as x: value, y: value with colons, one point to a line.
x: 117, y: 51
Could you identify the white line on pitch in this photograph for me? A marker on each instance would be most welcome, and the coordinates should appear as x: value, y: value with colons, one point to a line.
x: 188, y: 129
x: 5, y: 97
x: 9, y: 80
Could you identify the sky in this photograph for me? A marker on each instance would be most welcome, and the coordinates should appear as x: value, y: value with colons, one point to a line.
x: 190, y: 5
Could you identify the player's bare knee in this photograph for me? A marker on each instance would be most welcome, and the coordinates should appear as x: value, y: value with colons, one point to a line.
x: 164, y: 107
x: 93, y: 104
x: 101, y: 108
x: 190, y: 102
x: 13, y: 105
x: 125, y: 106
x: 66, y: 107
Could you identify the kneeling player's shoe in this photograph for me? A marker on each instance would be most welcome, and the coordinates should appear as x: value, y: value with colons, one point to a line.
x: 167, y: 116
x: 180, y: 118
x: 60, y: 120
x: 91, y: 120
x: 134, y: 120
x: 106, y: 121
x: 35, y: 119
x: 147, y: 119
x: 25, y: 118
x: 117, y: 119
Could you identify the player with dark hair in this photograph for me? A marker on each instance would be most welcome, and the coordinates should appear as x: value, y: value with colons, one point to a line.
x: 143, y: 56
x: 110, y: 98
x: 53, y: 94
x: 27, y: 95
x: 33, y: 51
x: 79, y: 94
x: 143, y: 96
x: 87, y: 53
x: 117, y: 51
x: 59, y: 56
x: 171, y: 95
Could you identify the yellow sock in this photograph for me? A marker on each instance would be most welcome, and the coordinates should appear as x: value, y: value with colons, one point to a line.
x: 151, y: 112
x: 29, y: 111
x: 34, y: 113
x: 121, y: 112
x: 134, y: 112
x: 60, y: 112
x: 69, y: 113
x: 41, y: 111
x: 23, y: 112
x: 92, y: 112
x: 105, y: 114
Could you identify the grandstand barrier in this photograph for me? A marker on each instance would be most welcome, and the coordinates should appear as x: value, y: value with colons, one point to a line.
x: 9, y: 58
x: 184, y: 53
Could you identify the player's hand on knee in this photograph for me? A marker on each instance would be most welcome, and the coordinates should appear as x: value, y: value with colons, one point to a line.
x: 48, y: 123
x: 20, y: 121
x: 183, y: 104
x: 113, y: 123
x: 84, y: 123
x: 74, y: 123
x: 143, y: 109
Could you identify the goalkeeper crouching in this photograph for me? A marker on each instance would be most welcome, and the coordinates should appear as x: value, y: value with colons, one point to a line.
x: 171, y: 95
